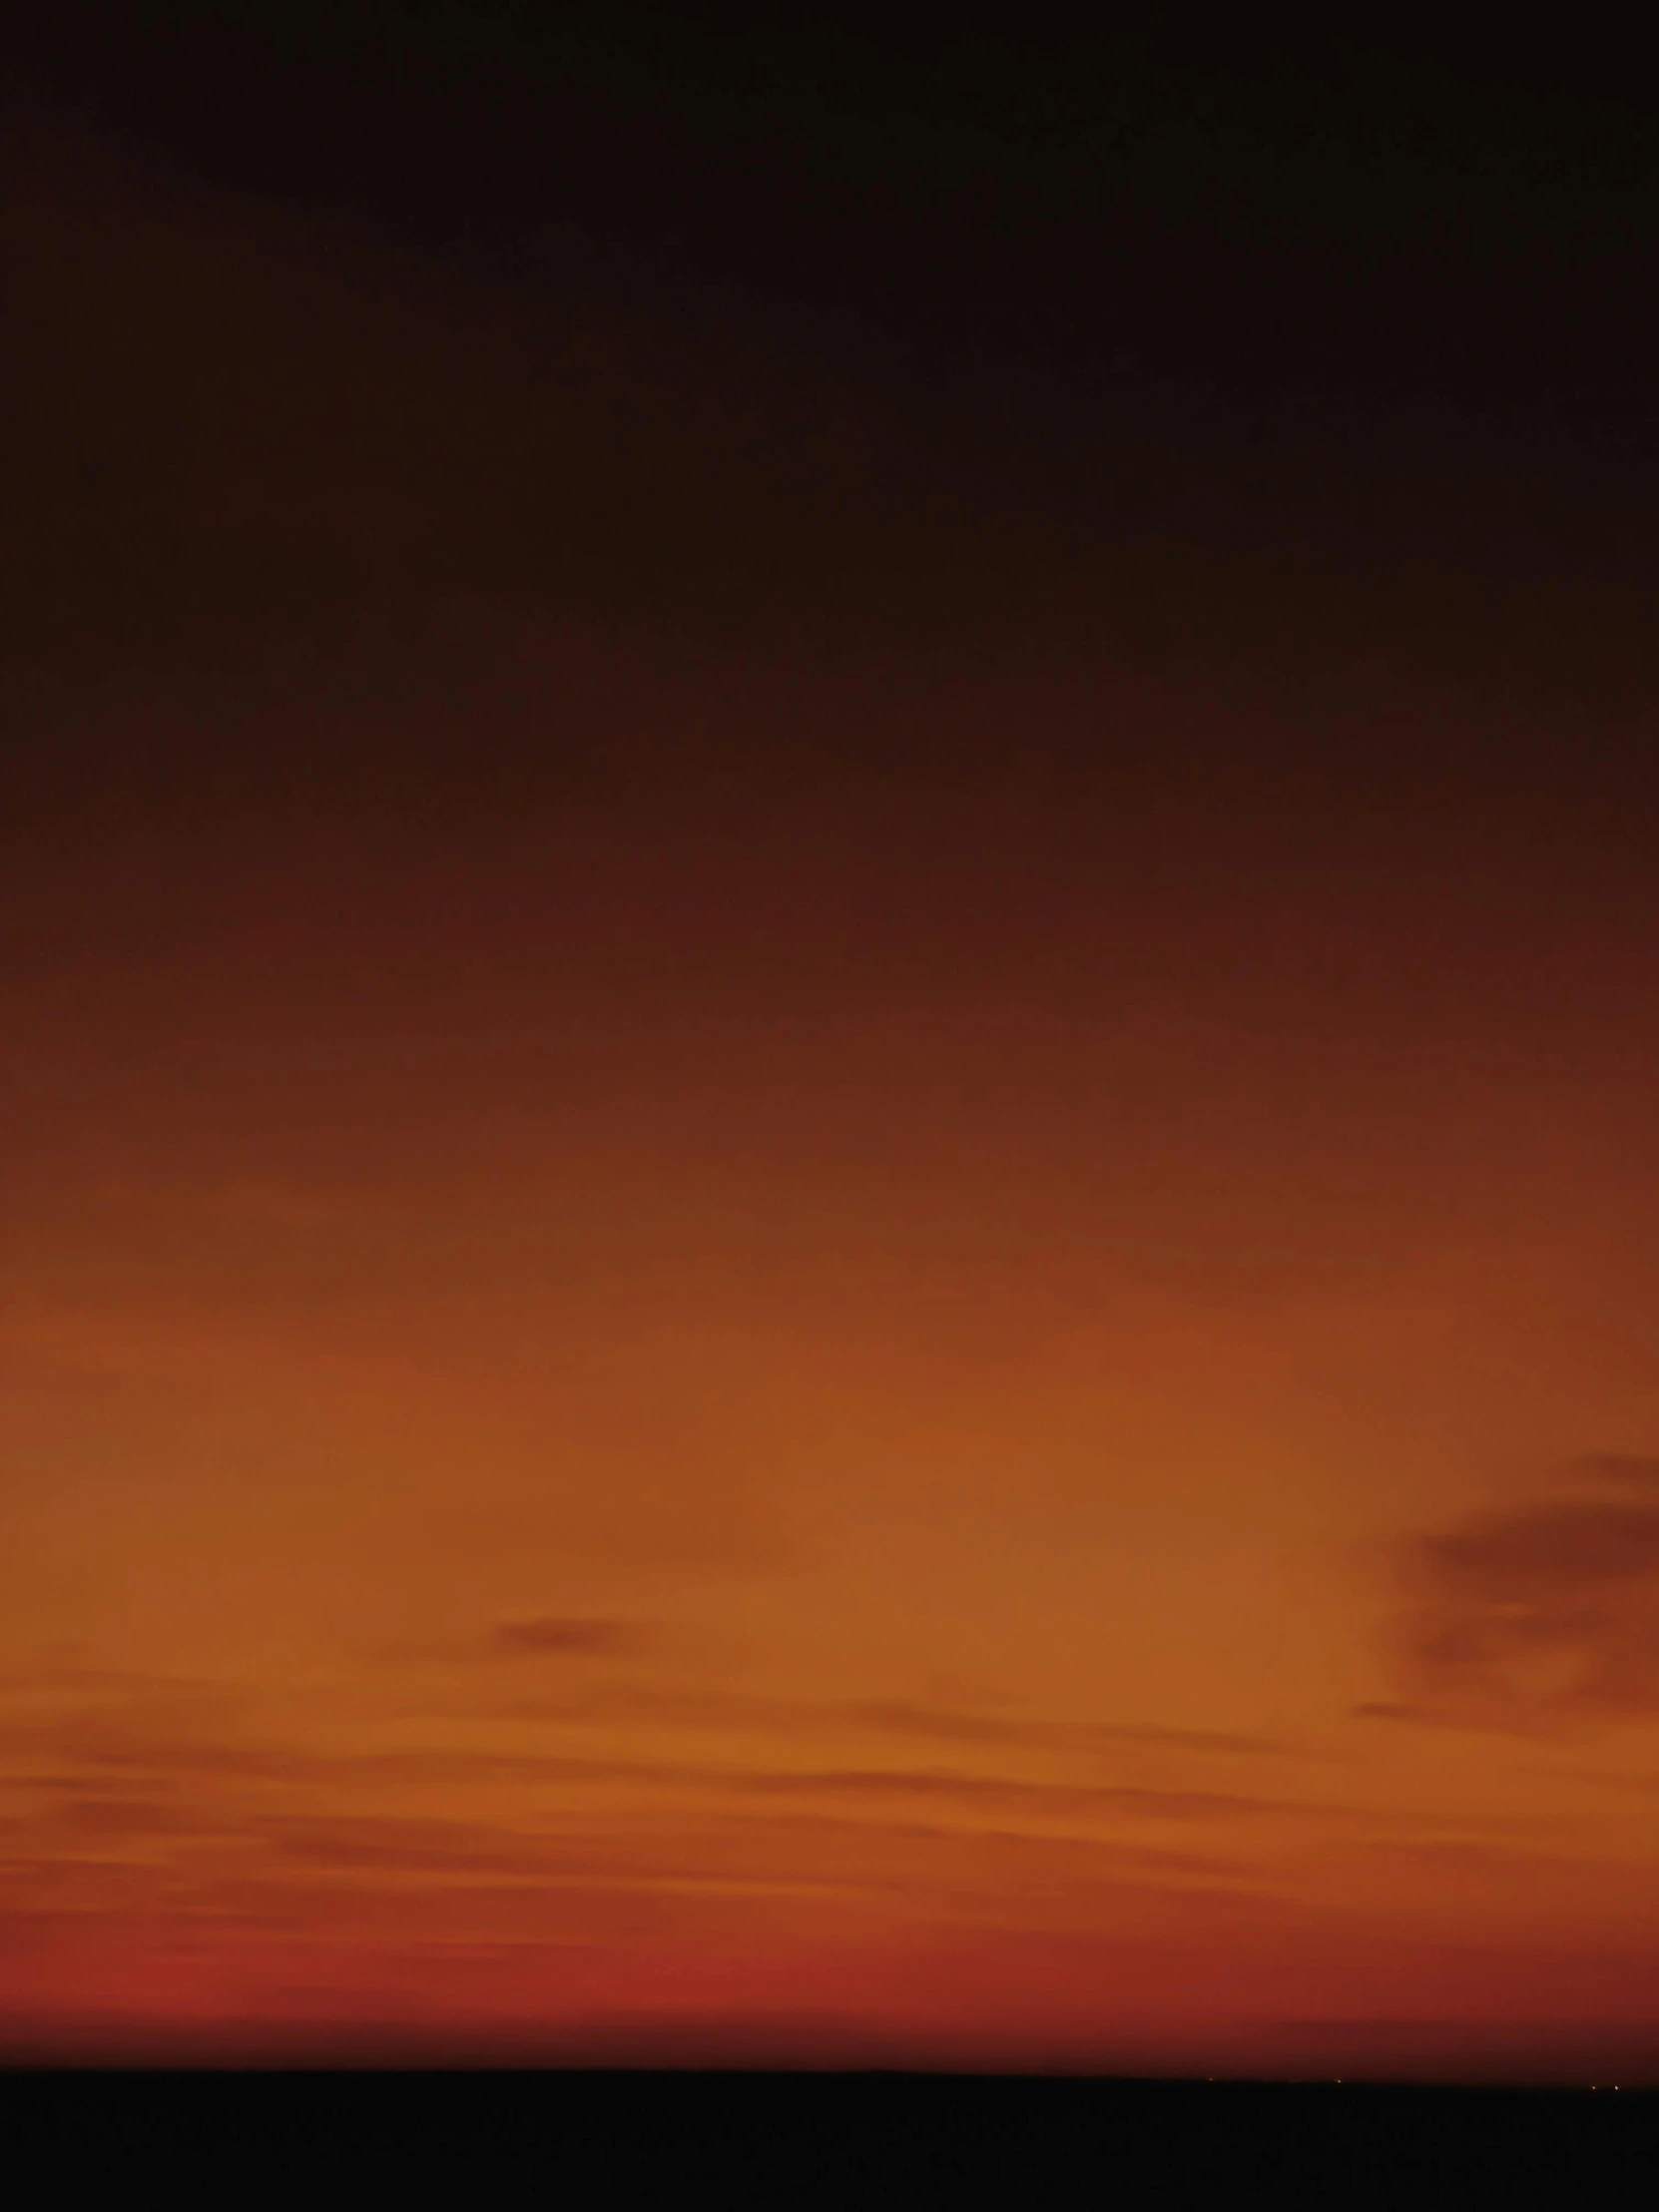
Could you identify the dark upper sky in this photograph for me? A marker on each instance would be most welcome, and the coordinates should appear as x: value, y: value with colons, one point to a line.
x: 1295, y: 361
x: 1363, y: 322
x: 1332, y: 216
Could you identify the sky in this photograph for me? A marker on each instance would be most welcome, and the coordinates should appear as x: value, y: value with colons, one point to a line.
x: 827, y: 958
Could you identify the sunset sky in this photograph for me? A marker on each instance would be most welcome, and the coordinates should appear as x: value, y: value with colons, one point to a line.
x: 829, y: 1221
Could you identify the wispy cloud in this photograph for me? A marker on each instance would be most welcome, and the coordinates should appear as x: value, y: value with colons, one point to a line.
x: 1083, y: 1736
x: 132, y: 1756
x: 719, y: 1709
x: 1036, y: 1797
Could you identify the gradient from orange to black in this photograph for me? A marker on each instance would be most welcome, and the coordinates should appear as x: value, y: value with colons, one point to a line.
x: 829, y: 979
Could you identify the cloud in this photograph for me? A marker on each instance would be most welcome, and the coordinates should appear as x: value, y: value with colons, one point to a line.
x: 1040, y: 1798
x: 87, y: 1749
x: 1540, y: 1618
x: 118, y: 1818
x: 741, y: 1710
x: 430, y: 1848
x: 551, y: 1636
x: 922, y: 1720
x: 540, y: 1638
x: 1639, y: 1470
x: 100, y: 1741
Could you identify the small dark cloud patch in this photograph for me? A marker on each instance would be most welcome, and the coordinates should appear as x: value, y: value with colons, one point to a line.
x: 549, y: 1636
x: 555, y: 1637
x: 1540, y: 1618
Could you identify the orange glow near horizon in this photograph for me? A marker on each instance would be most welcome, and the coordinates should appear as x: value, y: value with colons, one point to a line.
x: 637, y: 1442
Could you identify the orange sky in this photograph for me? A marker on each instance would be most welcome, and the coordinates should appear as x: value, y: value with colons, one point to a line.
x: 991, y: 1414
x: 623, y: 1424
